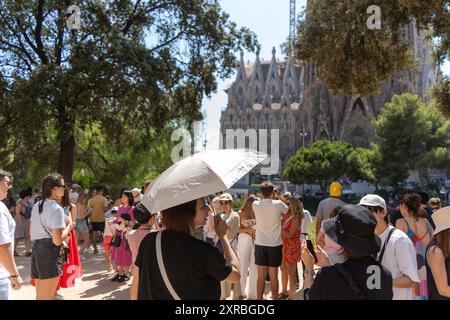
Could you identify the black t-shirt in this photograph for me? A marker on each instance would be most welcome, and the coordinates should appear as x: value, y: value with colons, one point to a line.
x: 194, y: 268
x: 433, y: 292
x: 329, y: 284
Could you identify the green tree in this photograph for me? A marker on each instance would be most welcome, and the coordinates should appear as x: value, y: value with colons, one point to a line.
x: 323, y: 161
x: 441, y: 95
x: 362, y: 165
x: 363, y: 57
x: 131, y: 64
x: 411, y: 135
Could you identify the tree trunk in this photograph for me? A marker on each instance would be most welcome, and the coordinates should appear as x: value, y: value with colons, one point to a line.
x: 423, y: 176
x: 66, y: 149
x: 323, y: 186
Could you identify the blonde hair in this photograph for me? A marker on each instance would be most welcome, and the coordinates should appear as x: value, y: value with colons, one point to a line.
x: 82, y: 199
x: 296, y: 207
x: 247, y: 209
x: 435, y: 201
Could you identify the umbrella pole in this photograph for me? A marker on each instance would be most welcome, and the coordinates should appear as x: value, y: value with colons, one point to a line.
x: 212, y: 207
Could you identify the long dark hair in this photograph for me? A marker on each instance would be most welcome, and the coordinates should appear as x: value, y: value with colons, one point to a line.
x: 141, y: 215
x: 65, y: 201
x: 129, y: 195
x: 51, y: 181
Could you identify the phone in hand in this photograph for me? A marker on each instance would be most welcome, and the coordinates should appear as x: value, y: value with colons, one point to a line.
x: 311, y: 249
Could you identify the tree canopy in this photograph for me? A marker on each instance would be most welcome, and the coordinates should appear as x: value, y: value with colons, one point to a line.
x: 412, y: 135
x: 133, y: 69
x: 323, y: 161
x: 363, y: 57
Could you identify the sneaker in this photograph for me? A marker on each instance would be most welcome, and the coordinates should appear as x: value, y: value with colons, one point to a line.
x: 117, y: 277
x: 125, y: 278
x: 121, y: 278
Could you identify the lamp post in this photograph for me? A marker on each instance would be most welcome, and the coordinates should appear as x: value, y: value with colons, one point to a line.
x: 303, y: 134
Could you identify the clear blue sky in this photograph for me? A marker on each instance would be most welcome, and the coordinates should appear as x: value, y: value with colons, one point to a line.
x: 269, y: 19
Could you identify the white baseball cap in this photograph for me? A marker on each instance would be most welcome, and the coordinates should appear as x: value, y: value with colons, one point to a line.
x: 137, y: 195
x: 373, y: 200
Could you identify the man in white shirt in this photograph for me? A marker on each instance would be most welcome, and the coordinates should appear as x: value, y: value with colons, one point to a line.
x: 268, y: 245
x: 9, y: 274
x: 397, y: 251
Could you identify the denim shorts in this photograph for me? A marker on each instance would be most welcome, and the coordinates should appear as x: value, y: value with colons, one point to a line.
x: 46, y: 260
x: 82, y: 226
x: 5, y: 289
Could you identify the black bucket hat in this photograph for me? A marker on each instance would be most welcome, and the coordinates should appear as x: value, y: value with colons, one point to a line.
x: 353, y: 228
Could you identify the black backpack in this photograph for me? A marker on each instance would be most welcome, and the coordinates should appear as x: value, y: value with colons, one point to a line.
x: 25, y: 211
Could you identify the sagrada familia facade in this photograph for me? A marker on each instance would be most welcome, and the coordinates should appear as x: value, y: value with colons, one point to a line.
x: 288, y: 95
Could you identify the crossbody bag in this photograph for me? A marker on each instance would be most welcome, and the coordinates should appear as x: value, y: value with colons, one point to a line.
x: 162, y: 268
x: 65, y: 251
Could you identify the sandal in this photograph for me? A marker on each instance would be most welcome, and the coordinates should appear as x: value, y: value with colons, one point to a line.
x: 282, y: 296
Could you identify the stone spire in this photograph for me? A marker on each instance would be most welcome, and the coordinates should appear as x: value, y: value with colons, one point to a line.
x: 290, y: 84
x: 239, y: 90
x: 241, y: 75
x: 273, y: 84
x: 256, y: 85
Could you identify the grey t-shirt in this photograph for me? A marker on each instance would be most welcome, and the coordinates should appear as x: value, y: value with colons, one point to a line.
x: 52, y: 217
x: 326, y: 205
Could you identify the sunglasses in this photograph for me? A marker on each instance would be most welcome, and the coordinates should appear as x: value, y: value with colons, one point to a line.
x: 373, y: 209
x: 8, y: 183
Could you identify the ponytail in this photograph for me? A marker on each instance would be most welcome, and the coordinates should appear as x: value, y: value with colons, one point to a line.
x: 51, y: 181
x: 414, y: 205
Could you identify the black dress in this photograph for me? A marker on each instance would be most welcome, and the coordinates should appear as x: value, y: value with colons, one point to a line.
x: 433, y: 293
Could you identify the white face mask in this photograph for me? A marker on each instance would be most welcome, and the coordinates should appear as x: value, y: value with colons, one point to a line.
x: 336, y: 258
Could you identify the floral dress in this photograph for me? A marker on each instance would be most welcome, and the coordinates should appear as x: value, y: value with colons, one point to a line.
x: 291, y: 246
x: 420, y: 246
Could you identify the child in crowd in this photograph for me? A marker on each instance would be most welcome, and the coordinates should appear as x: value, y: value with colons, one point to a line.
x: 108, y: 234
x: 121, y: 253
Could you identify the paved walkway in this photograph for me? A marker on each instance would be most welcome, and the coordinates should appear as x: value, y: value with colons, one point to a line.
x: 95, y: 284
